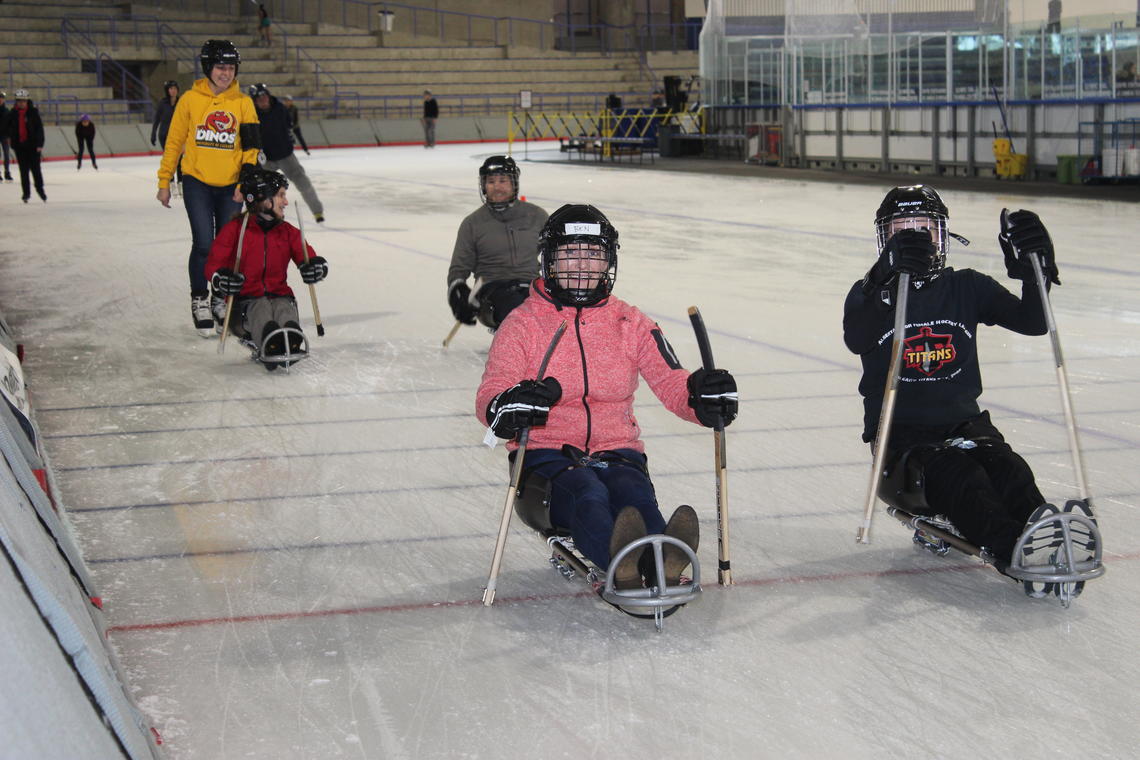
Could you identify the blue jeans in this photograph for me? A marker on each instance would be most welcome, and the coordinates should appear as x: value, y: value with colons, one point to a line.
x: 209, y: 208
x: 587, y: 499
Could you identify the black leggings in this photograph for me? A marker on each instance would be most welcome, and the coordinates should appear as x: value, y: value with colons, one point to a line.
x: 90, y: 143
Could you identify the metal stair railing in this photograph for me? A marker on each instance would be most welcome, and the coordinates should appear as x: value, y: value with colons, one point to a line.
x: 108, y: 71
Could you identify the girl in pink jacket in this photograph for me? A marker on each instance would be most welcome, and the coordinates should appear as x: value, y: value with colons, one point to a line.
x: 583, y: 436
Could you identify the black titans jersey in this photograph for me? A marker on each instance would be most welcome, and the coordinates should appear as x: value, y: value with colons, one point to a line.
x: 939, y: 381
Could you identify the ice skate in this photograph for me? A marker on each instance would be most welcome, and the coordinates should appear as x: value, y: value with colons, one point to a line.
x: 218, y: 309
x: 628, y: 527
x: 200, y: 313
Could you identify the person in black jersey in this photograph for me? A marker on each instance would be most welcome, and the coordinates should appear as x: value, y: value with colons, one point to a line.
x: 969, y: 474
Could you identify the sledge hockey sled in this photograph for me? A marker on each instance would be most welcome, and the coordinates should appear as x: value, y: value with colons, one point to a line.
x: 656, y: 602
x: 1071, y: 537
x: 290, y: 336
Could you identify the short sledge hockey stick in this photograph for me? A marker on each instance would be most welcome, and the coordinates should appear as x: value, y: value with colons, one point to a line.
x: 887, y: 413
x: 312, y: 288
x: 1062, y: 380
x: 724, y: 562
x: 230, y: 299
x: 508, y: 503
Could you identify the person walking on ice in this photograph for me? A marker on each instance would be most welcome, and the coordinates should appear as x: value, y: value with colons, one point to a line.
x: 213, y: 133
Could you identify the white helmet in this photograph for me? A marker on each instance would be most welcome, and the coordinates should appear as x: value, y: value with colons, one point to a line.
x: 21, y: 94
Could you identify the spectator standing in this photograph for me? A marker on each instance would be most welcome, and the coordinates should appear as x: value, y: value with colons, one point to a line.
x: 277, y: 144
x: 295, y: 122
x: 4, y: 111
x: 215, y: 123
x: 431, y: 113
x: 85, y: 136
x: 263, y: 25
x: 163, y: 112
x: 25, y: 132
x: 1127, y: 75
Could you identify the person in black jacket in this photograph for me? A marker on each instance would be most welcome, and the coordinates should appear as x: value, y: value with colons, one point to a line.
x: 431, y: 113
x: 163, y: 112
x: 25, y: 132
x: 85, y: 136
x: 295, y: 122
x: 4, y: 111
x: 969, y: 474
x: 277, y: 144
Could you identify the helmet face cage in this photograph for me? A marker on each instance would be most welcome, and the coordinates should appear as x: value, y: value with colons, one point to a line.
x: 915, y: 207
x: 578, y: 256
x: 506, y: 166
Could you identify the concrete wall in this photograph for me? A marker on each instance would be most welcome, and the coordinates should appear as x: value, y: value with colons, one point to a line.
x: 134, y: 139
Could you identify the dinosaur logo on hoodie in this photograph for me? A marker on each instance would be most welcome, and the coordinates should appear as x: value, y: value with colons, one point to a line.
x: 217, y: 131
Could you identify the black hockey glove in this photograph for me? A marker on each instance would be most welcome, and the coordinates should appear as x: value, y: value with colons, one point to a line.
x: 524, y: 405
x: 314, y: 270
x: 459, y: 299
x: 910, y: 251
x: 227, y: 282
x: 712, y: 396
x: 1022, y: 235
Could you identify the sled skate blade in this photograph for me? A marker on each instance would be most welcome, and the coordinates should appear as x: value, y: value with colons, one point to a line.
x: 1075, y: 554
x: 659, y: 599
x: 283, y: 347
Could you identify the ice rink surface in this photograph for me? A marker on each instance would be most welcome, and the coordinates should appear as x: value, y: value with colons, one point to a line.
x: 292, y: 563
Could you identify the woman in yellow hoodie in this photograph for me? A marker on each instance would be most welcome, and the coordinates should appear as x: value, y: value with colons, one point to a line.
x: 214, y: 132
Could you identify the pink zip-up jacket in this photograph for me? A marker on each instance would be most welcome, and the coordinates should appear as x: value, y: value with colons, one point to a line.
x: 597, y: 362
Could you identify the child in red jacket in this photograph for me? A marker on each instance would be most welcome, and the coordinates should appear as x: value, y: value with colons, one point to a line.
x: 264, y: 311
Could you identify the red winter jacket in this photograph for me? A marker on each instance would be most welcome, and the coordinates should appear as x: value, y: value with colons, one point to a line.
x: 264, y: 259
x: 597, y: 362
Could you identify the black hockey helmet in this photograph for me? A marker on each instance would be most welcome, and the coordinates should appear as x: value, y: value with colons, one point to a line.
x: 573, y: 235
x: 218, y: 51
x: 499, y: 165
x: 915, y: 207
x: 167, y: 85
x: 258, y: 185
x: 261, y: 88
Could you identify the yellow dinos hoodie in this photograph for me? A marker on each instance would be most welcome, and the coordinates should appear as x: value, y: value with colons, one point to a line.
x: 207, y: 127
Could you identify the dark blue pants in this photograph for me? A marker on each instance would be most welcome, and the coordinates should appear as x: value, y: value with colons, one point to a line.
x: 208, y: 208
x: 586, y: 499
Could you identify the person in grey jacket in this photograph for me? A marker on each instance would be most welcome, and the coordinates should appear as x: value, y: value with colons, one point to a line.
x: 498, y: 244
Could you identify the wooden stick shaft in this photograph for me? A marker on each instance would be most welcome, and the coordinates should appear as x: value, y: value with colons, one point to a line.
x: 720, y: 465
x: 312, y: 288
x: 887, y: 413
x: 1062, y: 380
x: 450, y: 335
x: 508, y: 503
x: 230, y: 299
